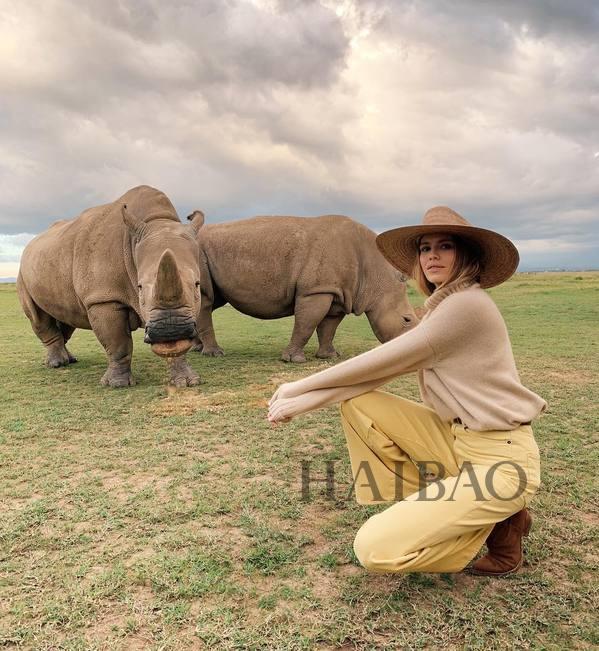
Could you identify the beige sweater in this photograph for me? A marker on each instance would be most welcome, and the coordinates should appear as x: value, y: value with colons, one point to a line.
x: 462, y: 352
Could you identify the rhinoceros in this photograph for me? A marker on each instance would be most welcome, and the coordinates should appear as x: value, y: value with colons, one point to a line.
x: 113, y: 269
x: 317, y: 268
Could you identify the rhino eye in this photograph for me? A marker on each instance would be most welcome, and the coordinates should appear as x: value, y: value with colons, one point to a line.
x: 139, y: 287
x: 197, y: 283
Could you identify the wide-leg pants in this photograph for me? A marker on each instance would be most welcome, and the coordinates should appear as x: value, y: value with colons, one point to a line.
x: 450, y: 484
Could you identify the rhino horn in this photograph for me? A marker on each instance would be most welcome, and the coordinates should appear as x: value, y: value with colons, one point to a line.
x: 168, y: 291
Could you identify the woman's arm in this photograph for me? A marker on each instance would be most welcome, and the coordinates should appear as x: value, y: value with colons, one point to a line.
x: 404, y: 354
x: 453, y: 324
x: 283, y: 409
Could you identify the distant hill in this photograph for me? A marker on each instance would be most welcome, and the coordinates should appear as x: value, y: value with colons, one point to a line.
x: 555, y: 269
x: 8, y: 280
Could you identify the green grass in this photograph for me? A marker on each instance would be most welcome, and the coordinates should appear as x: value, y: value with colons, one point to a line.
x: 149, y: 518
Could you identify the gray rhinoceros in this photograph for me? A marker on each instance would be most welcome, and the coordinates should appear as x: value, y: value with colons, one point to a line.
x: 113, y: 269
x: 317, y: 268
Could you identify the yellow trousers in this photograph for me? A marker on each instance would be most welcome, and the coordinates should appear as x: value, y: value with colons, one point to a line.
x: 450, y: 484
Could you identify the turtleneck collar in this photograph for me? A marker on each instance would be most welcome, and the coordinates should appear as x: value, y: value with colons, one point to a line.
x: 443, y: 292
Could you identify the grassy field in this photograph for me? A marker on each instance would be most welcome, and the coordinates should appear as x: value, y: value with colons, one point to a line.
x: 154, y: 518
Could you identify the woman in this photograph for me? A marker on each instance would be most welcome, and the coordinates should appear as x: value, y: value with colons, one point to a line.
x: 471, y: 440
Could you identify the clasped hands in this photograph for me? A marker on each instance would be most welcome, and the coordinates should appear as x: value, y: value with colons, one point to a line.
x: 282, y: 406
x: 287, y: 401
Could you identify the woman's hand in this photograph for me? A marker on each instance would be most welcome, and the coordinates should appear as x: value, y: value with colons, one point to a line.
x: 285, y: 390
x: 281, y: 410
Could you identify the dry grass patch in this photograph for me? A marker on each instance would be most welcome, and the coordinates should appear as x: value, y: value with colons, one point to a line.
x: 570, y: 376
x: 186, y: 402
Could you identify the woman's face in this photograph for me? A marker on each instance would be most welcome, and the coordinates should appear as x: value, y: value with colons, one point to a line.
x: 437, y: 254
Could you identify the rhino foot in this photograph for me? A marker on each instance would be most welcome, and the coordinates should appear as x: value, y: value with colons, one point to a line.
x: 328, y: 353
x: 116, y: 378
x: 297, y: 357
x: 213, y: 351
x: 181, y: 373
x: 72, y: 358
x: 58, y: 357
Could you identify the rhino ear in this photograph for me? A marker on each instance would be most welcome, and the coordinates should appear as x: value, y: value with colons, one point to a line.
x: 196, y: 219
x: 131, y: 220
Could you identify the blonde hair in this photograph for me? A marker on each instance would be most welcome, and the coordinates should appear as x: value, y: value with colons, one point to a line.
x: 466, y: 266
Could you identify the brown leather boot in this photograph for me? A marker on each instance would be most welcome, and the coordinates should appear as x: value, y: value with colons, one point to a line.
x: 504, y: 545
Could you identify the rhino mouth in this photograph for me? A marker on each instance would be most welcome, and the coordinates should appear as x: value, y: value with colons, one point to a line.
x: 172, y: 348
x: 170, y: 335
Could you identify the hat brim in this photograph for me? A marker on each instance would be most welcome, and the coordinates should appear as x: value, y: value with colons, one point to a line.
x: 499, y: 256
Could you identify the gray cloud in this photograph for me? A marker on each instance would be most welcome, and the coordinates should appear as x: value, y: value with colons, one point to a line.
x: 376, y: 109
x: 129, y: 92
x: 495, y: 23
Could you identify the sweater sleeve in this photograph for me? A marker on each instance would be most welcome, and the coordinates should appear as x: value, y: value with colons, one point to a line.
x: 404, y: 354
x: 451, y: 325
x: 339, y: 394
x: 284, y: 408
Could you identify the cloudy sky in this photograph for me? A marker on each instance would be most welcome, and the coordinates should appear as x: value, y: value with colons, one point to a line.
x: 378, y: 109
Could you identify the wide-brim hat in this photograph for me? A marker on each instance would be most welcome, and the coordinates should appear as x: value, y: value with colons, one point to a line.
x: 499, y: 257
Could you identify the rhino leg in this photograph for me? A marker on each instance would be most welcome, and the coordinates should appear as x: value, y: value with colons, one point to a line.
x: 198, y: 347
x: 206, y: 342
x: 110, y: 323
x: 67, y: 332
x: 208, y: 346
x: 180, y: 373
x: 309, y: 312
x: 49, y: 331
x: 326, y: 333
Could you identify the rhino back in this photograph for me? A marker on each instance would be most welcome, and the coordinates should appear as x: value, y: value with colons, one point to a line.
x: 259, y: 265
x: 47, y: 273
x: 87, y: 260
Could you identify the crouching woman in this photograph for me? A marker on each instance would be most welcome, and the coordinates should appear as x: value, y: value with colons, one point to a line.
x: 471, y: 438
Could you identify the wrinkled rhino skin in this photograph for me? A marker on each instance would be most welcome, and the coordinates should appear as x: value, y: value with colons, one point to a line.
x: 316, y: 268
x: 112, y: 269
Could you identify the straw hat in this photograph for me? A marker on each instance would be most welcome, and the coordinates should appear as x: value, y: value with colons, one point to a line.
x: 498, y: 256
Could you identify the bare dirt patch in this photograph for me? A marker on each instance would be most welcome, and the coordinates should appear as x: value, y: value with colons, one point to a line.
x: 590, y: 518
x: 186, y: 403
x: 569, y: 376
x: 313, y: 443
